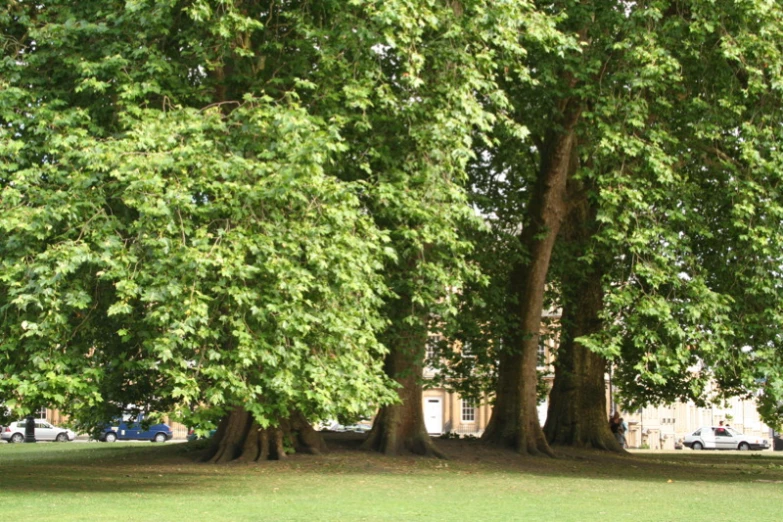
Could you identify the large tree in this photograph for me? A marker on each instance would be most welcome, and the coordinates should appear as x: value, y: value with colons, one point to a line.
x: 679, y: 148
x: 171, y: 266
x: 432, y: 243
x: 531, y: 170
x: 213, y: 208
x: 689, y: 204
x: 668, y: 116
x: 576, y: 414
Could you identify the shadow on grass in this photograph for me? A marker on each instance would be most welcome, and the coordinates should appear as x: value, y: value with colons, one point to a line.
x: 123, y: 468
x: 99, y: 468
x: 680, y: 466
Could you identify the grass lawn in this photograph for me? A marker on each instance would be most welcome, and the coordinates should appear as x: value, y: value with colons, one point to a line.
x: 149, y: 482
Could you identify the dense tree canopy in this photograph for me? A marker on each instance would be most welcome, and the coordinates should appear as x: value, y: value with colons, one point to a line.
x: 676, y: 154
x: 220, y: 203
x: 165, y: 245
x: 691, y: 195
x: 217, y: 206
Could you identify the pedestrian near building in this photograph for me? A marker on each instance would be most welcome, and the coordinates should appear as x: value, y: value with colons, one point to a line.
x: 622, y: 429
x: 618, y: 428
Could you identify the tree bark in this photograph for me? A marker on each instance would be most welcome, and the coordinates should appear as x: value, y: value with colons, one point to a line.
x: 577, y: 403
x: 577, y: 414
x: 240, y: 438
x: 400, y: 427
x: 514, y: 421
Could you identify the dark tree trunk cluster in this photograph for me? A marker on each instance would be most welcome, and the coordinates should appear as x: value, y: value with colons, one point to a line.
x: 240, y: 438
x: 514, y: 420
x: 577, y: 414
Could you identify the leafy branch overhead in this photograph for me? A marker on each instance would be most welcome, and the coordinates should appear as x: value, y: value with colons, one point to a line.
x: 256, y: 210
x: 216, y: 204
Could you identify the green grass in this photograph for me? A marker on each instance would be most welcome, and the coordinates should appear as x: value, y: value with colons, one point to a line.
x: 145, y: 482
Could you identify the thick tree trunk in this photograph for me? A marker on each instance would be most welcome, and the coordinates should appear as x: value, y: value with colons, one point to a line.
x: 240, y: 438
x: 400, y: 427
x: 514, y: 421
x: 577, y: 414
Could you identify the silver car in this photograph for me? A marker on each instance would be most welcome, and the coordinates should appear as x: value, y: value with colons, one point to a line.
x: 723, y: 437
x: 14, y: 432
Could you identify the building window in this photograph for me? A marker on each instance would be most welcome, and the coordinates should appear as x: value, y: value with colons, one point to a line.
x: 40, y: 413
x: 468, y: 411
x: 541, y: 352
x: 431, y: 349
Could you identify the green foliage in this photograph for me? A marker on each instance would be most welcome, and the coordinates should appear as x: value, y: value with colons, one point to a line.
x: 220, y: 203
x: 678, y: 156
x: 214, y: 204
x: 688, y: 201
x: 288, y: 444
x: 173, y: 263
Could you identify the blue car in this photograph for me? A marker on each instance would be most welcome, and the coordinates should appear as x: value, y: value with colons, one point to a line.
x: 127, y: 429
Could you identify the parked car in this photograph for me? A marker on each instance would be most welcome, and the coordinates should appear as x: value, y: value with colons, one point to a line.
x: 129, y: 429
x: 355, y: 428
x: 14, y: 432
x: 723, y: 437
x: 193, y: 436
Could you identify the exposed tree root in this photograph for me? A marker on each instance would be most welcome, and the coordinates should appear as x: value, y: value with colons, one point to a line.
x: 393, y: 438
x: 239, y: 438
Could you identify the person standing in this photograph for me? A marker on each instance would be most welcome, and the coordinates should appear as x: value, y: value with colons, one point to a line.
x: 622, y: 429
x: 618, y: 428
x: 614, y: 421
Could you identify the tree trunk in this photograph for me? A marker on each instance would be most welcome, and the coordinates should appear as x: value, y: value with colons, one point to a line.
x: 577, y: 414
x: 400, y: 427
x: 240, y: 438
x: 514, y: 421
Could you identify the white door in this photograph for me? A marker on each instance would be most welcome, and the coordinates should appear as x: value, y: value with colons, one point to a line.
x: 708, y: 436
x: 44, y: 430
x: 433, y: 415
x: 724, y: 439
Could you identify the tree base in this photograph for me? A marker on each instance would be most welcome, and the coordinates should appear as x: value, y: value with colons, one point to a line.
x: 240, y: 439
x: 533, y: 443
x: 390, y: 438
